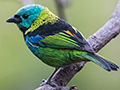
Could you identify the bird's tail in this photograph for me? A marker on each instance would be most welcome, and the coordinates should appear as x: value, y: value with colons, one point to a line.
x: 107, y: 65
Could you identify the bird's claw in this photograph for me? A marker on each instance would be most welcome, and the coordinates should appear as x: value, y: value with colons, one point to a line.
x: 48, y: 82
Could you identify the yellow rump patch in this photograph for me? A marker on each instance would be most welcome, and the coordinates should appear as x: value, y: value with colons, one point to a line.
x: 67, y: 31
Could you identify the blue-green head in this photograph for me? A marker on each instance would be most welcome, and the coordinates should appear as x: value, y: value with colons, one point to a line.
x: 25, y: 16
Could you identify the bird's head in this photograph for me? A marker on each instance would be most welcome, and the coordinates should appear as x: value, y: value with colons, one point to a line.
x: 25, y: 16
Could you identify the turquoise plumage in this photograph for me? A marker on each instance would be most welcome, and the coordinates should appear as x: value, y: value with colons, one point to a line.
x: 53, y: 40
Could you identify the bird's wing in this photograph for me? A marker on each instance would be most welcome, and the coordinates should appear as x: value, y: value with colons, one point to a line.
x: 66, y: 37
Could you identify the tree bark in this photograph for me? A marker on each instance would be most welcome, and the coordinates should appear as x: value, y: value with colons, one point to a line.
x: 98, y: 40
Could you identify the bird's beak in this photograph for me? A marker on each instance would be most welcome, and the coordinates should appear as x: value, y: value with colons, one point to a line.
x: 14, y: 20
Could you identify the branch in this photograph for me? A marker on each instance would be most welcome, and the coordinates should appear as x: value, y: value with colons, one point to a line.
x: 98, y: 40
x: 60, y: 4
x: 106, y: 33
x: 48, y: 87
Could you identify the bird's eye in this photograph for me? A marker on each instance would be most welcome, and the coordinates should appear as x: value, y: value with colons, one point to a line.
x: 25, y: 16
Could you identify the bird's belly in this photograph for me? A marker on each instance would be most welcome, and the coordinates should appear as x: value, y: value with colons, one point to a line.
x: 54, y: 57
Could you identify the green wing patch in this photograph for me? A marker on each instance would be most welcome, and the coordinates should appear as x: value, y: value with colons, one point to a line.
x: 60, y: 40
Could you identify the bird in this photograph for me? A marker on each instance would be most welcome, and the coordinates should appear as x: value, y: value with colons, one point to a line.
x: 54, y: 41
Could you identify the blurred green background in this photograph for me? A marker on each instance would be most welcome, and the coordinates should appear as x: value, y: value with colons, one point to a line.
x: 21, y: 70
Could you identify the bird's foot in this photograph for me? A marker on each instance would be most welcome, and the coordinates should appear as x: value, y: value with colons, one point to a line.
x: 48, y: 82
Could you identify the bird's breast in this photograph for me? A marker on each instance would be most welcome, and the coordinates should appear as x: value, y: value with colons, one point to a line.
x: 33, y: 43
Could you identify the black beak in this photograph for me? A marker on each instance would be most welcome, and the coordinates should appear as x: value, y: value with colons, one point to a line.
x: 14, y: 20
